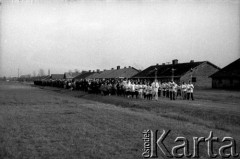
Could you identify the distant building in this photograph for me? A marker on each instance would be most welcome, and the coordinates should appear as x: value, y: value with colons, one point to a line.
x: 43, y: 77
x: 70, y: 75
x: 57, y: 76
x: 228, y: 77
x: 83, y: 75
x: 126, y: 72
x: 25, y: 76
x: 197, y: 72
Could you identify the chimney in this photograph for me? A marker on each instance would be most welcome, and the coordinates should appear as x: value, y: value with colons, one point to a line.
x: 175, y: 61
x: 93, y: 71
x: 104, y: 70
x: 163, y: 63
x: 98, y: 70
x: 89, y: 71
x: 192, y: 61
x: 129, y: 67
x: 118, y: 67
x: 112, y: 68
x: 125, y: 67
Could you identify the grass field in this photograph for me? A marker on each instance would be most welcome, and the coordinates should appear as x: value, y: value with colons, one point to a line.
x: 37, y: 122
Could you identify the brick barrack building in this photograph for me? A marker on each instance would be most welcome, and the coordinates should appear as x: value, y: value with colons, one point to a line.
x: 197, y: 72
x: 228, y: 77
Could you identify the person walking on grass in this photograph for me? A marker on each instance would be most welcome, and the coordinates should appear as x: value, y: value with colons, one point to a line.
x: 155, y: 87
x: 179, y: 90
x: 140, y: 90
x: 164, y: 89
x: 160, y: 89
x: 174, y: 90
x: 184, y: 91
x: 190, y: 88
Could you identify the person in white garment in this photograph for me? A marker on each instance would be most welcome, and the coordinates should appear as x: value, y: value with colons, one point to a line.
x: 184, y: 90
x: 164, y: 89
x: 128, y: 89
x: 132, y: 89
x: 160, y: 89
x: 190, y: 88
x: 155, y: 86
x: 140, y: 90
x: 174, y: 90
x: 170, y: 88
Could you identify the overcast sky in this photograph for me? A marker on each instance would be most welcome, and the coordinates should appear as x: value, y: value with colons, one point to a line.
x: 84, y: 35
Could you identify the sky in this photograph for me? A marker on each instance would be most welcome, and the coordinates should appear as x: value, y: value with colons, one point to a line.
x: 102, y: 34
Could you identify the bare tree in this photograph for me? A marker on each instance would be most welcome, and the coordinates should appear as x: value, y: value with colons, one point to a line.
x: 41, y: 72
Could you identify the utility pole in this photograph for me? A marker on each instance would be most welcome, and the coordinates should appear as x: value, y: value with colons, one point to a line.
x: 18, y: 72
x: 191, y: 74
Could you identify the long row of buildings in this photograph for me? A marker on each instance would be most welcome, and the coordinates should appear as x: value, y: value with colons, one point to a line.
x: 203, y: 74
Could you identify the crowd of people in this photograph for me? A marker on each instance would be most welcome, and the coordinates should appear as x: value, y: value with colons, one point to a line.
x: 149, y: 90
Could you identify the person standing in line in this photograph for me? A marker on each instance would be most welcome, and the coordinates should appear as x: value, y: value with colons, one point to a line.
x: 159, y: 89
x: 179, y: 90
x: 69, y: 85
x: 155, y: 87
x: 174, y: 90
x: 147, y: 91
x: 128, y: 89
x: 164, y: 89
x: 167, y: 89
x: 140, y: 90
x: 190, y: 88
x: 150, y: 91
x: 184, y: 90
x: 136, y: 89
x: 133, y: 89
x: 171, y: 90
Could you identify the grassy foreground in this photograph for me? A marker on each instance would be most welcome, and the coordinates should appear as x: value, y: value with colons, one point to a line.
x: 56, y: 123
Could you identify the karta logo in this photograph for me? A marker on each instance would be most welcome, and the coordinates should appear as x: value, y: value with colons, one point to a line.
x: 153, y: 145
